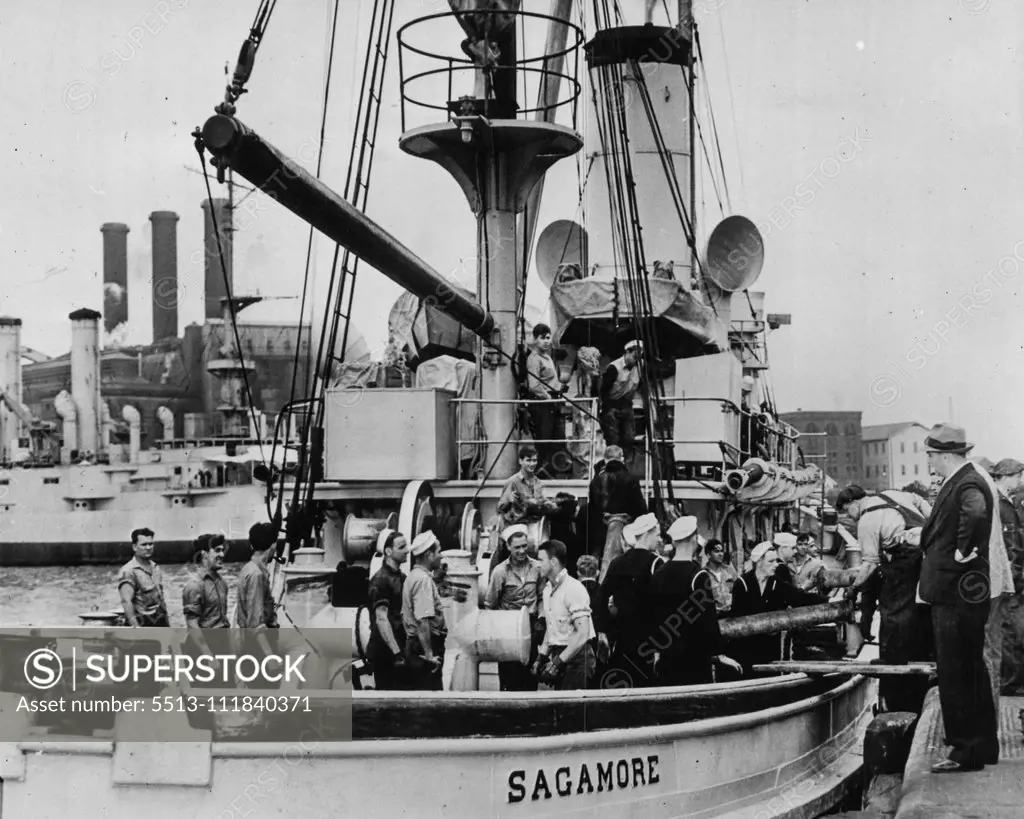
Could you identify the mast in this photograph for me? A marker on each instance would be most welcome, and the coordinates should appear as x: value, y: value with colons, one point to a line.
x: 686, y: 32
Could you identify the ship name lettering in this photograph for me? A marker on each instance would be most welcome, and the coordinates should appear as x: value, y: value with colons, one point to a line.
x: 621, y: 774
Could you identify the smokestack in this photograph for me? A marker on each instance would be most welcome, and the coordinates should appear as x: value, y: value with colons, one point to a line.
x: 215, y: 287
x: 10, y: 380
x: 85, y: 376
x: 165, y: 274
x: 115, y: 274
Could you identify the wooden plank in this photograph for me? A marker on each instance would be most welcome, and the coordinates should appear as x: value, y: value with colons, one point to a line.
x: 846, y: 667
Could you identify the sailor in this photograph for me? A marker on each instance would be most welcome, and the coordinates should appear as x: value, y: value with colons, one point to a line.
x: 615, y: 496
x: 625, y: 592
x: 1008, y: 474
x: 686, y: 635
x: 722, y: 572
x: 566, y: 658
x: 516, y: 584
x: 386, y: 648
x: 759, y: 591
x: 423, y: 616
x: 785, y: 548
x: 254, y: 607
x: 887, y: 529
x: 523, y: 498
x: 542, y: 385
x: 140, y: 584
x: 618, y: 386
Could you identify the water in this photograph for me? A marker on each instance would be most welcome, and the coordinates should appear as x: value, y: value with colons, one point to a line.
x: 56, y: 595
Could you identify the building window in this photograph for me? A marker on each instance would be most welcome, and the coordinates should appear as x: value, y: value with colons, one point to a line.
x: 903, y: 470
x: 915, y: 469
x: 885, y: 469
x: 903, y: 447
x: 812, y: 428
x: 915, y: 446
x: 883, y: 447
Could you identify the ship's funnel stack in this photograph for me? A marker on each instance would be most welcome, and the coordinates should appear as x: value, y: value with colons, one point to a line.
x: 497, y: 160
x: 10, y: 382
x: 115, y: 275
x: 165, y: 274
x: 636, y: 77
x: 217, y: 219
x: 85, y: 376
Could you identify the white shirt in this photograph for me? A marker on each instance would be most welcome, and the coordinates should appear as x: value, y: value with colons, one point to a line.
x: 566, y: 608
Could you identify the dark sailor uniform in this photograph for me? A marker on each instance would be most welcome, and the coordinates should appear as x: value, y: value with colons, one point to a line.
x: 686, y: 633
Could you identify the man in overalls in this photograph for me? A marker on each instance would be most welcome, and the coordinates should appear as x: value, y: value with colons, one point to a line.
x: 886, y: 529
x: 618, y: 386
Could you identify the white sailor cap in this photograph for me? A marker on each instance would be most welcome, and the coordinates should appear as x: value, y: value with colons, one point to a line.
x: 627, y: 535
x: 423, y: 543
x: 513, y: 530
x: 682, y: 528
x: 760, y: 550
x: 643, y: 524
x: 784, y: 539
x: 634, y: 345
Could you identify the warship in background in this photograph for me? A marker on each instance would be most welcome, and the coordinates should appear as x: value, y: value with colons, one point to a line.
x: 108, y: 438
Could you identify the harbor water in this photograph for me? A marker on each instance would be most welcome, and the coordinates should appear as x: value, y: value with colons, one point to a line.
x: 56, y: 595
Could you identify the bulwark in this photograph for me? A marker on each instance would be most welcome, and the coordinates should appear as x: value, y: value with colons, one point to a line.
x: 615, y: 774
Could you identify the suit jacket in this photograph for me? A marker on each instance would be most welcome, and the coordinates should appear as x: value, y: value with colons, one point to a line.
x: 961, y: 521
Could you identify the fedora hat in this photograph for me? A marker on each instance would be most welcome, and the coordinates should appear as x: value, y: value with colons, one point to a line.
x: 947, y: 438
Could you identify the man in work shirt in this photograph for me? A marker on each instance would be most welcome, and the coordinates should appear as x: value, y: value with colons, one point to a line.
x: 541, y: 384
x: 566, y: 658
x: 523, y: 498
x: 386, y: 649
x: 515, y: 584
x: 423, y: 616
x: 618, y: 386
x: 140, y: 583
x: 885, y: 530
x: 254, y: 607
x: 204, y: 597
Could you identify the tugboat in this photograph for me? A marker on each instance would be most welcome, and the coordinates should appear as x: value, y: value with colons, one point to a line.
x: 436, y: 455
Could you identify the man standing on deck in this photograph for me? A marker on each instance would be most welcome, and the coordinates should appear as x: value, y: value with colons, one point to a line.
x: 542, y: 385
x: 140, y: 583
x: 204, y: 598
x: 618, y: 386
x: 386, y: 649
x: 423, y: 616
x: 523, y: 499
x: 516, y: 584
x: 566, y: 658
x: 956, y: 582
x: 255, y: 611
x: 686, y: 635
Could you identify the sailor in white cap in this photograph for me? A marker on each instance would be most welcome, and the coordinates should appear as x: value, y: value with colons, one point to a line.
x: 686, y: 636
x: 626, y: 590
x: 618, y: 386
x: 516, y: 583
x: 758, y: 591
x: 423, y: 616
x: 785, y: 548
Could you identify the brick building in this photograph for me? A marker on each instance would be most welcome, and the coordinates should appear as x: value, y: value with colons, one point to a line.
x: 840, y: 445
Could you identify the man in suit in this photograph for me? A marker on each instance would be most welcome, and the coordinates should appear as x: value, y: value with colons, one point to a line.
x: 955, y: 581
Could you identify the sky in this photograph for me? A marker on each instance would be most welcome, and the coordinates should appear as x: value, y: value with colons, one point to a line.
x: 876, y: 144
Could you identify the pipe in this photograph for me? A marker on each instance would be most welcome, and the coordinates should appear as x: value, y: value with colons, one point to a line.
x: 165, y: 292
x: 232, y: 143
x: 85, y: 375
x: 10, y: 382
x: 166, y: 417
x: 479, y: 635
x: 131, y: 415
x: 772, y: 622
x: 65, y: 407
x: 115, y: 275
x: 737, y: 479
x: 106, y: 426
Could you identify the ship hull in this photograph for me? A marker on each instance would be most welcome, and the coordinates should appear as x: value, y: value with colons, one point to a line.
x: 796, y: 759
